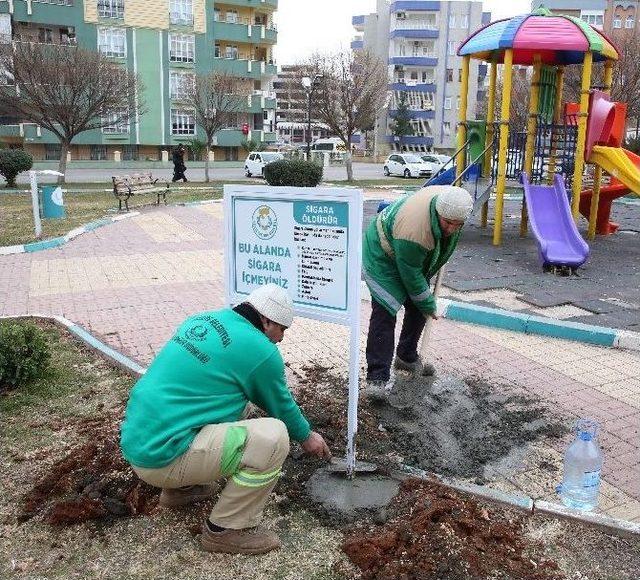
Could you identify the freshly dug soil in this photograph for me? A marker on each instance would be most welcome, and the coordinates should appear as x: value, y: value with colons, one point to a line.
x: 92, y: 482
x: 436, y: 533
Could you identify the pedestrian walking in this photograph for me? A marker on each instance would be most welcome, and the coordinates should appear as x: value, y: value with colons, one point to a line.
x: 179, y: 166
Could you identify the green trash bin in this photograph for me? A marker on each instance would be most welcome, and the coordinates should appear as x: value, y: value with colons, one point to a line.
x: 52, y: 202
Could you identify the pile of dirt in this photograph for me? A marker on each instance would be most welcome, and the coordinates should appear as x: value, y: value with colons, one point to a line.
x: 437, y: 533
x: 92, y: 482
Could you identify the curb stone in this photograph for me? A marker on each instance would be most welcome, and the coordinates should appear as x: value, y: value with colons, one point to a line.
x: 532, y: 324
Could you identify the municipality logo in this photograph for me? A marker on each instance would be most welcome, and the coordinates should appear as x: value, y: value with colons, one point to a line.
x: 197, y: 333
x: 264, y: 222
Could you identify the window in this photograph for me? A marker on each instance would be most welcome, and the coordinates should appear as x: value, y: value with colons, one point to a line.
x: 130, y: 153
x: 181, y: 12
x: 183, y: 122
x: 216, y: 51
x: 617, y: 22
x: 98, y: 152
x: 447, y: 103
x: 457, y: 103
x: 464, y: 21
x: 452, y: 20
x: 180, y: 84
x: 451, y: 47
x: 181, y: 48
x: 216, y: 14
x: 111, y: 8
x: 446, y: 128
x: 630, y: 22
x: 45, y: 35
x: 449, y: 75
x: 52, y: 151
x: 112, y: 42
x: 232, y: 16
x: 459, y: 75
x: 231, y: 52
x: 116, y: 123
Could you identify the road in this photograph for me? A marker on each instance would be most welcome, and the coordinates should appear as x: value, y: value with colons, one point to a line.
x: 219, y: 172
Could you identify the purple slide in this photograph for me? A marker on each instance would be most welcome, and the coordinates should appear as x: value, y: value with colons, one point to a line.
x: 559, y: 242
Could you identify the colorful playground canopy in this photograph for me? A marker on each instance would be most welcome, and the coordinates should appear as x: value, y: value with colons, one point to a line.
x: 558, y: 39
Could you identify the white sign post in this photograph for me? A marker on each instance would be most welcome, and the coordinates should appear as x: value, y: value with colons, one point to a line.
x: 307, y: 240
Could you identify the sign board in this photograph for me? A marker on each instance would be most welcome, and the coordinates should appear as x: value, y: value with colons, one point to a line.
x: 308, y: 241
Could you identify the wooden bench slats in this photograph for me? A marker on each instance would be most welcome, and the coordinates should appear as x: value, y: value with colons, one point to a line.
x: 126, y: 186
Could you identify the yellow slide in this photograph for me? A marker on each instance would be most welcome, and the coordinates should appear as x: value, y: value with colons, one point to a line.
x: 619, y: 163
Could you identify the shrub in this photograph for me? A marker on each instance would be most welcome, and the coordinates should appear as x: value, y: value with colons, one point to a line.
x: 24, y: 354
x: 295, y: 172
x: 13, y: 162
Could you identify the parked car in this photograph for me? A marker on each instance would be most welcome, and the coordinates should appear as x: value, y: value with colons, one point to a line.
x: 444, y: 159
x: 406, y: 165
x: 432, y: 161
x: 255, y: 162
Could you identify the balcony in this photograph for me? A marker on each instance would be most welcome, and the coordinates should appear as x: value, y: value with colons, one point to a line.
x: 414, y: 33
x: 413, y: 6
x: 358, y: 22
x: 357, y: 43
x: 426, y: 140
x: 429, y: 87
x: 262, y: 4
x: 261, y: 100
x: 422, y: 60
x: 244, y: 31
x: 416, y: 113
x: 243, y: 66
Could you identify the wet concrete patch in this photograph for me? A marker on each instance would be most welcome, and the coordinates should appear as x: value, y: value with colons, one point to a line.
x: 350, y: 498
x: 464, y: 428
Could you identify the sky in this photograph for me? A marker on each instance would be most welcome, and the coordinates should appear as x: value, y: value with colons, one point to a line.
x: 308, y: 26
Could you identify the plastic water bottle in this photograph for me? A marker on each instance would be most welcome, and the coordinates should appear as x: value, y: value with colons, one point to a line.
x: 582, y: 464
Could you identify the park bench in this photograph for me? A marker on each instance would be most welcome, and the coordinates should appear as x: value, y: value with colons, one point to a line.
x: 126, y: 186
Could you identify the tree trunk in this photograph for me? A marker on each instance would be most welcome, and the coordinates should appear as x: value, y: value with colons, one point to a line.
x: 349, y: 164
x: 62, y: 164
x: 206, y: 161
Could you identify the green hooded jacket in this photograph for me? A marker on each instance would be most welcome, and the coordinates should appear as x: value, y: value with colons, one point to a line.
x: 403, y: 248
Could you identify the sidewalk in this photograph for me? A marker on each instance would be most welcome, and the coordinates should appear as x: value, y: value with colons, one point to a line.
x: 131, y: 283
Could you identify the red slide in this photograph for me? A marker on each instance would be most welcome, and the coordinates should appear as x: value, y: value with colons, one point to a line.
x: 608, y: 193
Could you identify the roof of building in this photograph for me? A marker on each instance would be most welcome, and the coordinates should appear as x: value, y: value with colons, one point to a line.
x: 558, y: 39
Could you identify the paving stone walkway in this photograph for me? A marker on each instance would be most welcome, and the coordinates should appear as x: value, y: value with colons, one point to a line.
x: 131, y: 283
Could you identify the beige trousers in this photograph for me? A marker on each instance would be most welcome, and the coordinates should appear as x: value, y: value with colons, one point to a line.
x: 243, y: 498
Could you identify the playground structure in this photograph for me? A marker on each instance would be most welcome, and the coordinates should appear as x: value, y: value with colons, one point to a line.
x: 559, y: 140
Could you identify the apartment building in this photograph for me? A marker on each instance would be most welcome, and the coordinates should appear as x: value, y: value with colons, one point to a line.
x: 292, y: 114
x: 166, y: 43
x: 612, y: 17
x: 418, y: 40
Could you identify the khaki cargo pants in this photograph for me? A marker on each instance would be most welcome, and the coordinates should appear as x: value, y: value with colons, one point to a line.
x: 249, y: 453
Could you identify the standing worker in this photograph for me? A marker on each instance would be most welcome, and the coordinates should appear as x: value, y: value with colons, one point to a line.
x: 404, y: 246
x: 184, y: 429
x: 178, y: 163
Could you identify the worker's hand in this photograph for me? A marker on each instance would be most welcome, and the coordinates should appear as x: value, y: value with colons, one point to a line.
x: 316, y: 445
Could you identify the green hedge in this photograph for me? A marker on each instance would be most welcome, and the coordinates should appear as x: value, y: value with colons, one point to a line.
x: 24, y: 354
x: 13, y: 162
x: 293, y: 172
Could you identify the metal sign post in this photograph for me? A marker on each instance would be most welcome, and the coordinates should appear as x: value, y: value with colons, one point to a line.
x: 308, y: 241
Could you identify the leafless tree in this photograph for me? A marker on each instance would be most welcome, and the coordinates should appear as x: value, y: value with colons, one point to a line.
x: 352, y: 92
x: 216, y: 98
x: 519, y: 107
x: 68, y: 90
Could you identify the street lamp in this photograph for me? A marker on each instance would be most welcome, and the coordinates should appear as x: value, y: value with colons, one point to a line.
x: 310, y: 85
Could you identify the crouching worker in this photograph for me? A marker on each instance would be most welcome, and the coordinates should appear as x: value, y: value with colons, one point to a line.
x: 184, y: 429
x: 407, y: 243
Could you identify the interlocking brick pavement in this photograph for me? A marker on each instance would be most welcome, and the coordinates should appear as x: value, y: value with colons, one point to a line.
x: 131, y: 283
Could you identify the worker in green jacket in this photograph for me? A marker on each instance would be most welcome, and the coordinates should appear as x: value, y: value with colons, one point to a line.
x: 184, y: 425
x: 403, y: 247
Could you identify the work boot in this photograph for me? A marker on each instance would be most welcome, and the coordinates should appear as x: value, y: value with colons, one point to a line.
x: 246, y: 541
x: 415, y: 367
x: 375, y: 390
x: 173, y: 498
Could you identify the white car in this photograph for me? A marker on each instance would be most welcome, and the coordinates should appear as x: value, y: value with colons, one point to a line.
x: 255, y: 162
x: 432, y: 161
x: 406, y: 165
